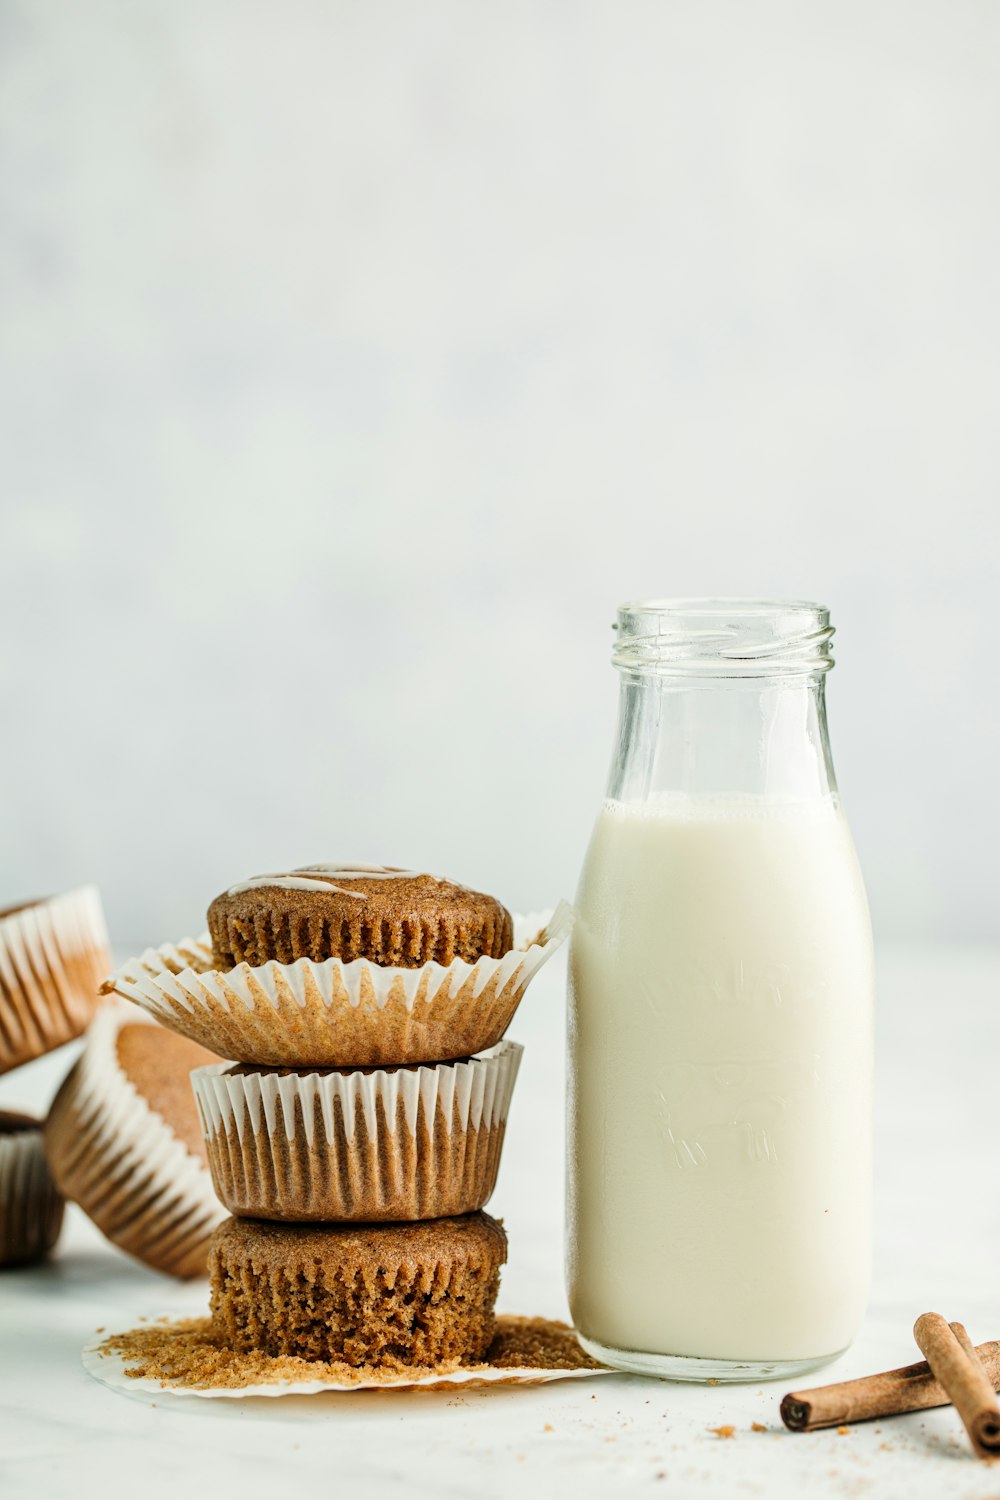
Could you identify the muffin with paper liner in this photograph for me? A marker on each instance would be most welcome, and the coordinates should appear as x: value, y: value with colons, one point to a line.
x: 370, y: 1145
x: 123, y: 1140
x: 350, y: 1011
x: 31, y: 1206
x: 53, y: 956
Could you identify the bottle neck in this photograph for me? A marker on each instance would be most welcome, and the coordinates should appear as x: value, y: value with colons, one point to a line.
x: 693, y: 737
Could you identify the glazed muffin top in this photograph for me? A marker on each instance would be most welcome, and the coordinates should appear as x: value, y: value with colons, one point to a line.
x: 393, y: 917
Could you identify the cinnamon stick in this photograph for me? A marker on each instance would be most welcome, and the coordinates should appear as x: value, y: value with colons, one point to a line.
x: 889, y: 1394
x: 956, y: 1364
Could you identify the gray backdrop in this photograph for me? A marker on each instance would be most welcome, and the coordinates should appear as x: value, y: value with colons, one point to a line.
x: 357, y: 360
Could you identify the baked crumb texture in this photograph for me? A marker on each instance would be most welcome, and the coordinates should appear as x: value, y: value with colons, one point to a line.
x: 53, y: 956
x: 398, y: 923
x: 394, y: 1296
x: 31, y: 1207
x: 192, y: 1355
x: 402, y: 1144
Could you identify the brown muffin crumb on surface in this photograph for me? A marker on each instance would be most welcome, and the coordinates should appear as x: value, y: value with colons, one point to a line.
x: 189, y: 1355
x: 537, y: 1344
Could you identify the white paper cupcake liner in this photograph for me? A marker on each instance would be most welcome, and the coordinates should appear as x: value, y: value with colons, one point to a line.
x: 333, y: 1014
x: 120, y: 1161
x: 410, y: 1143
x: 53, y: 956
x: 31, y: 1207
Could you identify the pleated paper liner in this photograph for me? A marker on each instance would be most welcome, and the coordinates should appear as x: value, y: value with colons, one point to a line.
x: 53, y: 956
x: 333, y: 1014
x: 403, y: 1144
x: 116, y: 1157
x: 31, y: 1207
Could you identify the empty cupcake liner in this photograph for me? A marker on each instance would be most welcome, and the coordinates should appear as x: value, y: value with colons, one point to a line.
x: 333, y: 1014
x: 120, y: 1161
x: 53, y: 955
x: 405, y: 1144
x: 31, y: 1207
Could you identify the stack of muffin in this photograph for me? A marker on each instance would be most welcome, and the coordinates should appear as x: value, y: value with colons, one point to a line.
x: 358, y: 1135
x: 53, y: 955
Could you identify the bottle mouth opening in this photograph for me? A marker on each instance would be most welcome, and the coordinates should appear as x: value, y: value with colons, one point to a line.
x: 723, y: 638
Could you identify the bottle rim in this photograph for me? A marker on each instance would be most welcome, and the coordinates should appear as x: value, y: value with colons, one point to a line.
x: 723, y: 637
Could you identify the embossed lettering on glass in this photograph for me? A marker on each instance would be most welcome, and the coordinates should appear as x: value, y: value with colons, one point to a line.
x: 720, y: 1010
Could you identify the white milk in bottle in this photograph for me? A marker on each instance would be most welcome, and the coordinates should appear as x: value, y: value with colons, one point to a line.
x: 720, y: 1011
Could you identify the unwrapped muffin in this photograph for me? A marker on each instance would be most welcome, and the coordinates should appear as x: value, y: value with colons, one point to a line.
x: 395, y: 918
x: 31, y: 1207
x: 124, y: 1142
x: 417, y: 1294
x: 53, y: 956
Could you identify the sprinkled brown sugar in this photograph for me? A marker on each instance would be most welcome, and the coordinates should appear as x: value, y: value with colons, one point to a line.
x: 536, y: 1344
x: 191, y: 1355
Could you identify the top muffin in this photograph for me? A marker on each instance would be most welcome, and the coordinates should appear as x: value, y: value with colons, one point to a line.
x: 395, y: 918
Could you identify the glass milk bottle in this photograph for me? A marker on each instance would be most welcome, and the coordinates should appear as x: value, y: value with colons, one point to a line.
x: 720, y: 1010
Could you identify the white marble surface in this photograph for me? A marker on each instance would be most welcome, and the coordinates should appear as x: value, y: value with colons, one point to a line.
x: 937, y: 1237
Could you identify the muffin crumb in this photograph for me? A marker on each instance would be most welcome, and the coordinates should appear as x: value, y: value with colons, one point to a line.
x: 191, y: 1355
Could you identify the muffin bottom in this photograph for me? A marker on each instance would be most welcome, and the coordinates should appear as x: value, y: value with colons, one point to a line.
x: 31, y: 1207
x: 416, y: 1294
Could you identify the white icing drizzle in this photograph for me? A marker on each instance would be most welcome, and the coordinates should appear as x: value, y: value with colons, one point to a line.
x: 326, y: 877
